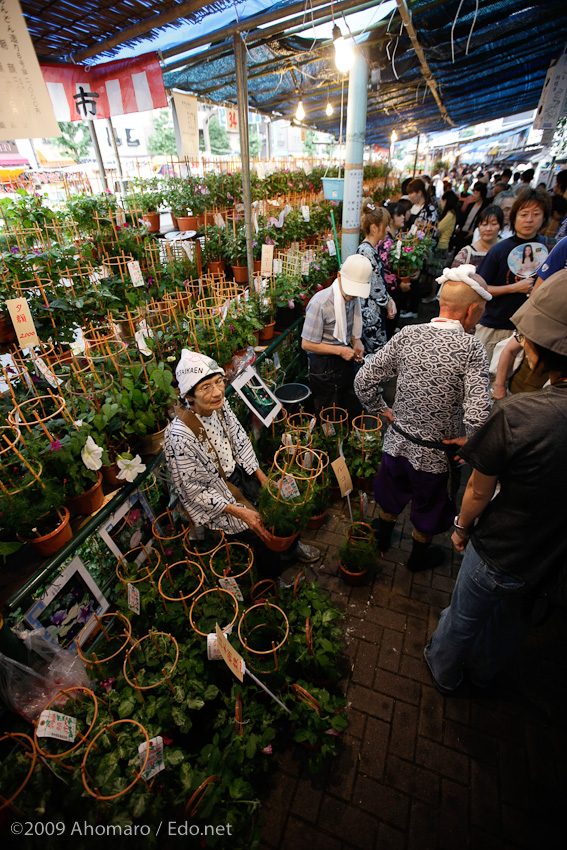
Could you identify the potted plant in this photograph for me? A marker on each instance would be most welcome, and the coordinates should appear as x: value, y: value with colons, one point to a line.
x: 144, y: 395
x: 76, y: 459
x: 147, y: 198
x: 357, y: 555
x: 282, y: 518
x: 36, y: 514
x: 237, y: 254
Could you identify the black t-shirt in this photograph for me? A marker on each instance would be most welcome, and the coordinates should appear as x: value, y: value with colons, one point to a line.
x: 496, y: 271
x: 522, y: 532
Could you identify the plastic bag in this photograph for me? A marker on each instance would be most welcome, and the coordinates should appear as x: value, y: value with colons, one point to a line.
x: 239, y: 364
x: 26, y: 690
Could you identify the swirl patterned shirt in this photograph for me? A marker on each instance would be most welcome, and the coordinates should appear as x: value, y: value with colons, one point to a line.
x: 442, y: 381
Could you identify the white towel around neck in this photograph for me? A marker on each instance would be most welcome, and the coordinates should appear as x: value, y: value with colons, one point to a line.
x: 340, y: 331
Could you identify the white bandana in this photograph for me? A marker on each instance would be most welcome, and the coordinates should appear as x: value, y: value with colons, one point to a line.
x: 462, y: 274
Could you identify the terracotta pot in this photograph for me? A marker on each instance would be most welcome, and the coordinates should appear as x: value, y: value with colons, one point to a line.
x: 51, y: 543
x: 267, y: 331
x: 353, y: 579
x: 174, y: 222
x: 240, y: 274
x: 316, y: 521
x: 277, y: 544
x: 151, y: 444
x: 7, y: 332
x: 109, y: 474
x: 208, y: 218
x: 151, y: 220
x: 257, y: 266
x: 404, y: 278
x: 187, y: 222
x: 89, y: 501
x: 216, y: 266
x: 363, y: 483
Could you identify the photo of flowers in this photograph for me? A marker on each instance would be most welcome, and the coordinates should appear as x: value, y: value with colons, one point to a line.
x: 130, y: 527
x: 68, y: 606
x: 254, y: 392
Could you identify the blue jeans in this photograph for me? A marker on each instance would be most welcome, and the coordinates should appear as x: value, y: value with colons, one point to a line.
x: 482, y: 627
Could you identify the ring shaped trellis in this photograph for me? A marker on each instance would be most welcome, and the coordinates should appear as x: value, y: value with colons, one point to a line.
x: 211, y: 607
x: 188, y: 570
x: 263, y: 636
x: 109, y: 728
x: 74, y: 694
x: 123, y: 639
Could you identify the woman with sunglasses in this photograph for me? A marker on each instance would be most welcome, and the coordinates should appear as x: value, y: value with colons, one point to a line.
x: 213, y: 468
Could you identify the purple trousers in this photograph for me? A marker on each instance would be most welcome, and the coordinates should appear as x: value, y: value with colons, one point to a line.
x: 397, y: 483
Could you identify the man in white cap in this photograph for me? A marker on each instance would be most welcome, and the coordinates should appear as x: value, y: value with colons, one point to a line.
x: 442, y: 381
x: 212, y: 464
x: 331, y: 336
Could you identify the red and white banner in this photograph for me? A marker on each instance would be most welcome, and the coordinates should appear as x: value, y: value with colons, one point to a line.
x: 101, y: 91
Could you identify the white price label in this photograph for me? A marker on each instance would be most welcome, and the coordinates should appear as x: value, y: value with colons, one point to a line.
x: 363, y: 504
x: 133, y: 598
x: 289, y: 488
x: 276, y: 360
x: 328, y: 429
x: 230, y: 583
x: 331, y: 248
x: 155, y: 761
x: 305, y: 267
x: 135, y: 272
x: 305, y: 212
x: 42, y: 368
x: 52, y: 724
x: 277, y: 266
x: 312, y: 424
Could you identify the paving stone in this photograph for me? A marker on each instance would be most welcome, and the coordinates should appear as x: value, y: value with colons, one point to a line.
x: 423, y: 828
x: 438, y: 598
x: 384, y: 802
x: 351, y: 825
x: 390, y: 839
x: 366, y: 660
x: 356, y: 722
x: 343, y: 773
x: 275, y: 811
x: 390, y: 650
x: 485, y: 801
x: 453, y: 816
x: 388, y: 619
x: 371, y: 632
x: 402, y: 580
x: 415, y: 637
x: 397, y: 686
x: 404, y: 730
x: 469, y: 741
x: 444, y: 761
x: 370, y: 702
x: 415, y: 781
x: 374, y: 748
x: 415, y: 668
x: 303, y: 836
x: 431, y: 714
x: 409, y: 607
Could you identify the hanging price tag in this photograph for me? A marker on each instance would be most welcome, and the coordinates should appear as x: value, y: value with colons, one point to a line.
x: 363, y: 504
x: 21, y: 317
x: 188, y: 247
x: 267, y: 259
x: 42, y: 368
x: 305, y: 267
x: 120, y: 217
x: 276, y: 360
x: 307, y: 460
x: 312, y: 423
x: 229, y: 583
x: 277, y: 266
x: 289, y: 488
x: 135, y: 272
x: 331, y: 248
x: 232, y: 659
x: 328, y: 429
x: 219, y: 220
x: 213, y: 651
x: 52, y: 724
x: 133, y: 598
x: 305, y: 212
x: 155, y: 761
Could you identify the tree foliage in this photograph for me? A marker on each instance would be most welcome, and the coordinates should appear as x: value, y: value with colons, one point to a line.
x: 218, y: 136
x: 162, y: 140
x: 75, y: 140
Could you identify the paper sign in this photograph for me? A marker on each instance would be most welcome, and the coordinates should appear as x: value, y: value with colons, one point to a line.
x: 187, y: 125
x: 289, y: 488
x: 136, y: 275
x: 307, y: 460
x: 230, y: 583
x: 277, y: 266
x: 363, y: 504
x: 305, y: 212
x: 328, y: 429
x: 305, y: 267
x: 155, y: 761
x: 331, y: 248
x: 188, y: 247
x: 276, y: 359
x: 120, y: 217
x: 42, y: 368
x: 23, y: 323
x: 219, y: 220
x: 312, y: 424
x: 133, y: 598
x: 52, y: 724
x: 343, y: 475
x: 267, y: 259
x: 213, y: 651
x: 232, y: 659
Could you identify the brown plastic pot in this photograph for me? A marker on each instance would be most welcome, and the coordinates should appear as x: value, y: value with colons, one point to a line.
x: 267, y: 331
x: 151, y: 220
x: 277, y: 544
x: 49, y: 544
x: 89, y: 501
x: 187, y: 222
x: 316, y: 521
x: 240, y: 274
x: 353, y: 579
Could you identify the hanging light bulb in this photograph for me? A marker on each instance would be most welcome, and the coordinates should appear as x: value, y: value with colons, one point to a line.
x: 300, y: 111
x: 344, y: 54
x: 394, y: 137
x: 329, y: 109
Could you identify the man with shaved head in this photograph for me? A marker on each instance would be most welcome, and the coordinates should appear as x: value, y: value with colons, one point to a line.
x: 442, y: 383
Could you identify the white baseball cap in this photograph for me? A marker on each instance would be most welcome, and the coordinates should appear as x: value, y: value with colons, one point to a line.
x: 355, y: 276
x: 194, y: 367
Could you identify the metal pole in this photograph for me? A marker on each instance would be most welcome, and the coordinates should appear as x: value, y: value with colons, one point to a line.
x: 355, y: 132
x: 98, y: 155
x: 242, y: 94
x: 416, y: 153
x: 110, y: 126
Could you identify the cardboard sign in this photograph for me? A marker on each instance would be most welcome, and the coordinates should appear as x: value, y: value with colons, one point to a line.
x: 52, y: 724
x: 343, y: 475
x: 135, y: 271
x: 155, y: 762
x: 232, y: 659
x: 267, y: 260
x: 133, y: 598
x: 230, y: 583
x: 23, y: 323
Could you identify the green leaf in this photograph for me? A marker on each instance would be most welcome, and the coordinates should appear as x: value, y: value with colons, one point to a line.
x: 195, y: 703
x: 210, y: 692
x: 251, y: 746
x: 126, y: 707
x: 139, y: 806
x: 185, y: 776
x: 239, y: 789
x: 174, y: 757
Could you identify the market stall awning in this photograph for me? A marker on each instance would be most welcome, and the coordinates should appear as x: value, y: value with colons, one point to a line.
x: 12, y: 160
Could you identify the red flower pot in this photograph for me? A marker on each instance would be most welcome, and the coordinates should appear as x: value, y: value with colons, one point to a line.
x: 89, y: 501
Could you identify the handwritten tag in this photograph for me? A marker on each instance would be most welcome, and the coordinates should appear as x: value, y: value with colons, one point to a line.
x: 363, y: 504
x: 289, y: 488
x: 343, y: 475
x: 267, y: 260
x: 42, y: 368
x: 135, y: 271
x: 312, y: 423
x: 188, y: 247
x: 276, y: 361
x: 277, y: 266
x: 305, y: 212
x: 219, y: 220
x: 232, y: 659
x: 21, y: 317
x: 155, y: 762
x: 230, y: 583
x: 133, y: 598
x: 52, y: 724
x: 305, y: 267
x: 213, y: 651
x: 328, y: 429
x: 331, y: 248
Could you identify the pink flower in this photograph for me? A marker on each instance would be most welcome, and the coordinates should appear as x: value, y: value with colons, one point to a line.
x: 268, y: 750
x: 55, y: 446
x: 107, y: 684
x: 420, y: 234
x: 134, y: 515
x: 333, y: 732
x: 406, y: 248
x: 290, y: 304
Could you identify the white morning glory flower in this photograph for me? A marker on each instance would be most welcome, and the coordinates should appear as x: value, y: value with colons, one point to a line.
x: 130, y: 467
x: 91, y: 454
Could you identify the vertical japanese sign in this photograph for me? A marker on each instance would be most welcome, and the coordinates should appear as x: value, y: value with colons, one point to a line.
x: 25, y: 109
x: 23, y: 323
x: 187, y: 125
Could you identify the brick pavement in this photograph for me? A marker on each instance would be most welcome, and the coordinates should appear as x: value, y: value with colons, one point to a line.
x: 419, y: 771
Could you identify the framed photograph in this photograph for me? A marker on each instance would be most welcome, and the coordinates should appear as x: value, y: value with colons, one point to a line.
x: 68, y: 606
x: 129, y: 527
x: 254, y: 392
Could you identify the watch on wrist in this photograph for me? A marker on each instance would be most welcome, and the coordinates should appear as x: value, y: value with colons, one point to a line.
x: 460, y: 527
